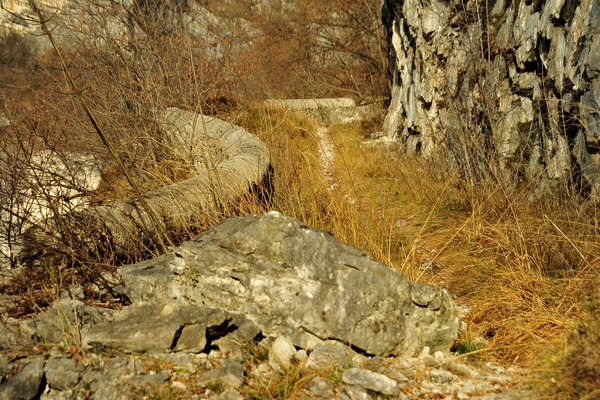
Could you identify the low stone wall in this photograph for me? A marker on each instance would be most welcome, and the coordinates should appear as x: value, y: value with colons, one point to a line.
x: 325, y: 111
x: 230, y: 162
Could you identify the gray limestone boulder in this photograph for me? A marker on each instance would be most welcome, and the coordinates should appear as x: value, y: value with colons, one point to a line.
x: 297, y: 281
x: 148, y: 328
x: 26, y: 384
x: 61, y: 373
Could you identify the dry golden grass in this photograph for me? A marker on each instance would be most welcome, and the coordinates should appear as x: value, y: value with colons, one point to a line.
x: 522, y: 267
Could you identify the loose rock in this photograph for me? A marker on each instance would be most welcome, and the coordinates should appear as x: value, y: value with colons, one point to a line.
x: 370, y: 380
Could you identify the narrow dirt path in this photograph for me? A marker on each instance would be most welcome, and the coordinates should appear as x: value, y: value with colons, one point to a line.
x: 326, y: 156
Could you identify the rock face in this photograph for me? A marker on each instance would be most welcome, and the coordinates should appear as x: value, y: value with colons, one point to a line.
x: 297, y: 281
x: 513, y: 87
x: 77, y: 23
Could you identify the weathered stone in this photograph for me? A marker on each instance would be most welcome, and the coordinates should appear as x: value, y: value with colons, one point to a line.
x: 227, y: 394
x: 301, y: 355
x: 61, y: 373
x: 325, y: 111
x: 230, y: 374
x: 441, y: 375
x: 51, y: 394
x: 370, y: 380
x: 10, y: 337
x: 4, y: 121
x: 280, y: 354
x: 113, y: 379
x: 356, y: 392
x: 26, y: 384
x: 233, y: 164
x: 153, y: 380
x: 328, y: 354
x: 289, y: 279
x: 320, y: 388
x: 514, y: 82
x: 63, y: 321
x: 152, y: 328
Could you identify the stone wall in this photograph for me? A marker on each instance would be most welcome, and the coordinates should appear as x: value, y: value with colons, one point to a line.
x: 498, y: 87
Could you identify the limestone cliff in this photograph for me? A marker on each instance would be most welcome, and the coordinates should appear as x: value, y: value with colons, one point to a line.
x: 498, y: 87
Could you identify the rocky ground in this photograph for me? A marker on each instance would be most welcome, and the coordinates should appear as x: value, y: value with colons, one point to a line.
x: 237, y: 370
x: 249, y: 322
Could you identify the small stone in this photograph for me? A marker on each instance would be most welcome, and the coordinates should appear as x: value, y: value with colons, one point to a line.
x: 4, y: 121
x: 496, y: 368
x: 370, y: 380
x: 301, y: 355
x: 263, y: 370
x: 396, y: 375
x: 227, y: 394
x: 51, y: 394
x: 281, y: 352
x: 183, y: 362
x: 439, y: 356
x: 328, y: 354
x: 231, y: 374
x: 152, y: 379
x: 466, y: 391
x: 178, y: 386
x: 440, y: 376
x: 61, y: 373
x: 192, y: 338
x: 230, y: 348
x: 320, y: 387
x: 26, y: 383
x: 460, y: 369
x: 357, y: 393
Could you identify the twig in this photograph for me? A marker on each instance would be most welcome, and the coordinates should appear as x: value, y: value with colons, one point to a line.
x: 160, y: 232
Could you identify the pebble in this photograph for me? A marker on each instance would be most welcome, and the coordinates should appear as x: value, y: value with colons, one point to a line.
x: 370, y: 380
x: 281, y: 353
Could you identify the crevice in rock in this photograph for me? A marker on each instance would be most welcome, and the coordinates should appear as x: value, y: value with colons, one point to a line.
x: 567, y: 12
x: 176, y: 337
x: 41, y: 388
x: 216, y: 332
x: 352, y: 267
x: 528, y: 66
x: 354, y: 348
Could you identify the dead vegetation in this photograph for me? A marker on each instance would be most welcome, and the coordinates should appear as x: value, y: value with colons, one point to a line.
x: 525, y: 269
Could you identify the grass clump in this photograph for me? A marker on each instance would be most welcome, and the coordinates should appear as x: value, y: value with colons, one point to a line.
x: 576, y: 370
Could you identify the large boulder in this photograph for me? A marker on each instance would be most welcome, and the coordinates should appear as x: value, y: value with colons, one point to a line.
x: 300, y: 282
x: 514, y: 86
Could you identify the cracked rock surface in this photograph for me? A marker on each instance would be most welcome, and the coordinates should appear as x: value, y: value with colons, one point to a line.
x: 294, y: 280
x: 522, y: 78
x: 252, y: 301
